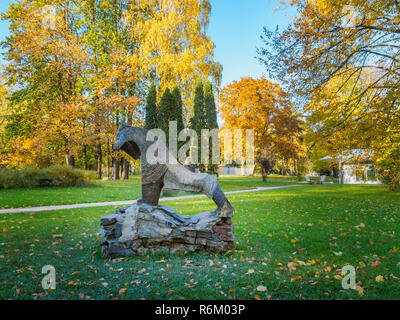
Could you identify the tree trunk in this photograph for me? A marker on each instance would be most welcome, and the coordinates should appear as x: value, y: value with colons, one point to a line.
x: 295, y: 171
x: 125, y: 171
x: 99, y: 161
x: 85, y: 162
x: 109, y: 155
x: 264, y: 174
x: 335, y: 172
x: 108, y: 167
x: 69, y: 160
x: 115, y: 169
x: 121, y: 167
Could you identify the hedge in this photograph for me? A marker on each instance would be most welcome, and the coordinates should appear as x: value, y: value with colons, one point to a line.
x: 55, y: 176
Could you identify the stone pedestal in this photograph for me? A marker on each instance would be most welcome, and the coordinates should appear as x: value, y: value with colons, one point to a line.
x: 140, y: 228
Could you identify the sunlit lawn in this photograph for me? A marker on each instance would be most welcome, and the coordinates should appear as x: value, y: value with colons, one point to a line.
x: 102, y: 191
x: 291, y: 241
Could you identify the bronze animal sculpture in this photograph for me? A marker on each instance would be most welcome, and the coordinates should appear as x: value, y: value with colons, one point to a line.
x: 172, y: 175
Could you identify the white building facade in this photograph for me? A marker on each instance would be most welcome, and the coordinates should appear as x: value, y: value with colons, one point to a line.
x: 358, y: 174
x: 355, y: 167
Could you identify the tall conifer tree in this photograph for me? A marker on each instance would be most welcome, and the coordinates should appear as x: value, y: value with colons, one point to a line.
x: 151, y: 108
x: 212, y: 123
x: 198, y: 121
x: 165, y: 112
x: 178, y: 110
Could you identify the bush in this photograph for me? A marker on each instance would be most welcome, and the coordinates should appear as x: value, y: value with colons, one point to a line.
x: 388, y: 166
x: 301, y: 177
x: 9, y: 179
x: 89, y: 175
x: 56, y: 176
x: 31, y: 177
x: 65, y: 176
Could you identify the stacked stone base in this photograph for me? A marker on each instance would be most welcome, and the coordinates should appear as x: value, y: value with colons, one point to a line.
x: 139, y: 229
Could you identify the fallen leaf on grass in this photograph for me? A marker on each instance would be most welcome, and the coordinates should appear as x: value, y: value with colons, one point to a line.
x: 291, y: 266
x: 122, y: 291
x: 251, y: 271
x: 360, y: 290
x: 295, y: 279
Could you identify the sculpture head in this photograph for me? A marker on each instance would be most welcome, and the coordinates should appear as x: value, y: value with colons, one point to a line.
x: 131, y: 140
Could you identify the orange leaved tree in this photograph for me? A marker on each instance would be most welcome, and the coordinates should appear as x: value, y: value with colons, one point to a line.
x: 261, y: 105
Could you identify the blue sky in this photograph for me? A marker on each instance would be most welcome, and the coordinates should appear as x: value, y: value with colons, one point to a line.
x: 3, y: 24
x: 235, y: 28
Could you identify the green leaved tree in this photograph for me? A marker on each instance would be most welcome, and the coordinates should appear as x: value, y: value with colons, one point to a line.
x: 211, y: 121
x: 151, y: 108
x: 199, y: 121
x: 165, y: 112
x: 177, y: 114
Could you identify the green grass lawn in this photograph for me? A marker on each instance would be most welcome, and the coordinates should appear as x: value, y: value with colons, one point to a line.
x: 103, y: 191
x: 293, y: 242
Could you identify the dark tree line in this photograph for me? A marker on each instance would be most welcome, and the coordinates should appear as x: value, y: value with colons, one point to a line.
x: 170, y: 108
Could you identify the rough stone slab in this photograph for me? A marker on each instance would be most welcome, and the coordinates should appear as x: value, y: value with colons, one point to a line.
x: 140, y: 229
x: 222, y: 230
x: 108, y: 220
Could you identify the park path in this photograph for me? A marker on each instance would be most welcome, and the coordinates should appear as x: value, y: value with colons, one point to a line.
x: 123, y: 203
